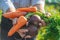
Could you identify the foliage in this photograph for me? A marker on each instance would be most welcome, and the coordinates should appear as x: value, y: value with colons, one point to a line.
x: 0, y: 14
x: 51, y: 30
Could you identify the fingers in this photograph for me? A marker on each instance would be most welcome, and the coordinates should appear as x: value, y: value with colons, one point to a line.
x: 14, y: 21
x: 48, y: 14
x: 28, y: 36
x: 21, y: 34
x: 42, y: 23
x: 23, y: 30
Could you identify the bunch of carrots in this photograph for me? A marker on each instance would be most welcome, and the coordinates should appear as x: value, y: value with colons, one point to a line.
x: 18, y: 13
x: 21, y: 19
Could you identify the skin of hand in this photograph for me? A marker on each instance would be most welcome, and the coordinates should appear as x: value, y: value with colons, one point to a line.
x: 48, y: 14
x: 22, y: 32
x: 41, y: 9
x: 27, y: 33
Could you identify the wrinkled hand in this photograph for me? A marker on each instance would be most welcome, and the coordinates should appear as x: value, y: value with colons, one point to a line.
x: 28, y: 36
x: 45, y: 13
x: 22, y: 32
x: 48, y: 14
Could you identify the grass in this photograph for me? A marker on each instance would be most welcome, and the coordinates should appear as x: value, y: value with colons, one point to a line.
x: 0, y: 15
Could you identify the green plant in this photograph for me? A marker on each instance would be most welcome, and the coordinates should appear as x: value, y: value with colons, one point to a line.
x: 51, y: 30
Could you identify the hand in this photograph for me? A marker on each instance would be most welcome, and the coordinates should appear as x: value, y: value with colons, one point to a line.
x: 14, y: 21
x: 28, y: 36
x: 42, y: 23
x: 22, y: 32
x: 48, y: 14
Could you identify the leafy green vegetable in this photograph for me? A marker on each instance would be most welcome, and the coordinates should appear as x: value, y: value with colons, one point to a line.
x: 50, y: 31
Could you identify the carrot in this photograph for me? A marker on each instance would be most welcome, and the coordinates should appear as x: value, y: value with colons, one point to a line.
x: 32, y: 9
x: 20, y: 23
x: 13, y: 14
x: 19, y: 12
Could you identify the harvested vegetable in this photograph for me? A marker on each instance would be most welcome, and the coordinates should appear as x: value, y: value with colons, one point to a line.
x: 35, y: 20
x: 13, y: 14
x: 32, y: 30
x: 19, y: 12
x: 20, y: 23
x: 32, y: 9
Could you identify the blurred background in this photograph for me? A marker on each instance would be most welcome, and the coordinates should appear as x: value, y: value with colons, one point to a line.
x: 53, y: 1
x: 52, y: 6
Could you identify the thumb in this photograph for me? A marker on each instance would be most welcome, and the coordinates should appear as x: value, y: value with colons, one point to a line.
x: 14, y: 21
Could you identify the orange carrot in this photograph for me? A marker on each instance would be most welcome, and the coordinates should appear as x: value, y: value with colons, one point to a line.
x: 19, y: 12
x: 13, y: 14
x: 20, y: 23
x: 32, y: 9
